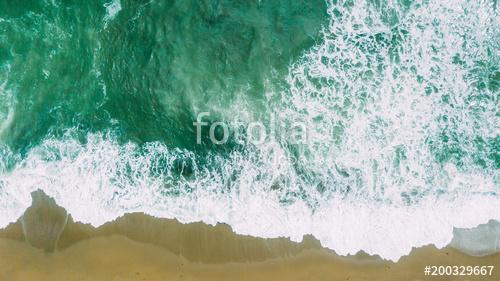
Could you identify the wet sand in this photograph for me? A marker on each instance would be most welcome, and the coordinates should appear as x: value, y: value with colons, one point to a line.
x: 141, y: 247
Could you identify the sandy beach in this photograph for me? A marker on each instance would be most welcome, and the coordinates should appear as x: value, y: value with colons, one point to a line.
x: 117, y: 257
x: 141, y: 247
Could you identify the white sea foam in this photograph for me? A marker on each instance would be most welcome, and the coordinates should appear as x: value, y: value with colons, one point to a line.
x: 6, y: 100
x: 376, y: 186
x: 112, y: 10
x: 102, y: 180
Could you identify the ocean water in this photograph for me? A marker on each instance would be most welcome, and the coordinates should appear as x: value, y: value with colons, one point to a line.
x: 398, y: 101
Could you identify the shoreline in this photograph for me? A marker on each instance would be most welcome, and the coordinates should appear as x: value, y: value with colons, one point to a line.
x: 141, y: 247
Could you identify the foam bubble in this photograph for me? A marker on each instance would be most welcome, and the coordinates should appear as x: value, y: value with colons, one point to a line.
x: 6, y: 100
x: 112, y: 10
x: 101, y: 180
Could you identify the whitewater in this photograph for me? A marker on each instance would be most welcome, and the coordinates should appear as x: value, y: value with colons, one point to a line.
x: 406, y: 93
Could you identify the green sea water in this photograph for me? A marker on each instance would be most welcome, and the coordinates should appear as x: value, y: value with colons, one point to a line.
x: 146, y: 71
x: 98, y: 101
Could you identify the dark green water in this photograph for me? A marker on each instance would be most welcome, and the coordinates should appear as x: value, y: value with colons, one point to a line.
x: 149, y: 70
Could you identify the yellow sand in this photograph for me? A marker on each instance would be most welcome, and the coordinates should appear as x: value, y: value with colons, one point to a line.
x: 139, y: 247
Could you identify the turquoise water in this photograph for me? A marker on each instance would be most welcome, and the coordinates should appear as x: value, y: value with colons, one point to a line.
x: 399, y: 100
x: 145, y: 72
